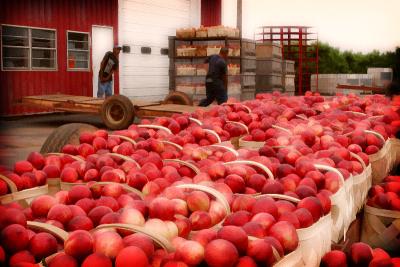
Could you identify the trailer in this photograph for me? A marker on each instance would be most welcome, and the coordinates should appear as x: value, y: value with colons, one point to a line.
x: 118, y: 111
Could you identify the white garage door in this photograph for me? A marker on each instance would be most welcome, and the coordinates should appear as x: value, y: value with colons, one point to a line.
x: 148, y: 23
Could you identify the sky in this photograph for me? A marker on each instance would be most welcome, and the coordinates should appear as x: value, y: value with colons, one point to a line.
x: 357, y: 25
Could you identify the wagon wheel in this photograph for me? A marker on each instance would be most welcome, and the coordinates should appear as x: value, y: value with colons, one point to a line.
x: 65, y: 134
x: 117, y: 112
x: 178, y: 98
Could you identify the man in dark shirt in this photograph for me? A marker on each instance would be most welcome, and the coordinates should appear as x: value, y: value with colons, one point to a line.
x: 108, y: 66
x: 216, y: 79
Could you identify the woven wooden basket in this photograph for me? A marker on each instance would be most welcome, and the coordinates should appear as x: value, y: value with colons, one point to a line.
x: 342, y: 205
x: 23, y: 197
x: 381, y: 228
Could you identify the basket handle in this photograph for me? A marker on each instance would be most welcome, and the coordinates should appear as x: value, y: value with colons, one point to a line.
x: 196, y: 121
x: 375, y: 117
x: 213, y: 133
x: 280, y: 196
x: 185, y: 163
x: 179, y: 147
x: 51, y: 229
x: 357, y: 157
x: 215, y: 193
x: 254, y: 163
x: 161, y: 241
x: 301, y: 116
x: 126, y: 158
x: 356, y: 112
x: 281, y: 128
x: 158, y: 127
x: 329, y: 168
x: 64, y: 154
x: 377, y: 134
x: 123, y: 137
x: 240, y: 124
x: 226, y: 148
x: 124, y: 186
x: 11, y: 185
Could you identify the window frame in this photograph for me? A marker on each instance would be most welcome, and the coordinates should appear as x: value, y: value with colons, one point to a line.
x: 30, y: 49
x: 88, y: 69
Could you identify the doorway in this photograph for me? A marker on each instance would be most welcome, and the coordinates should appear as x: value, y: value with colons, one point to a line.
x: 102, y: 41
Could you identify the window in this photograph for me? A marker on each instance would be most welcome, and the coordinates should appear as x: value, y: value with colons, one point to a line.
x: 78, y: 50
x: 25, y: 48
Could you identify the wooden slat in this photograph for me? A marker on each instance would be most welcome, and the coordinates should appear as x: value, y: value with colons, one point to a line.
x: 173, y: 108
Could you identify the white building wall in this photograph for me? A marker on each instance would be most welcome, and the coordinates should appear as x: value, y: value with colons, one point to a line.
x: 149, y: 23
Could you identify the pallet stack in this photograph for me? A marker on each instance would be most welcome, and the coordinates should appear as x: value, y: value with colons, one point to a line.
x: 288, y: 77
x: 248, y: 64
x: 269, y: 67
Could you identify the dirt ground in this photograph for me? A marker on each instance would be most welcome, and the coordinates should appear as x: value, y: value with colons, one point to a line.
x: 19, y: 136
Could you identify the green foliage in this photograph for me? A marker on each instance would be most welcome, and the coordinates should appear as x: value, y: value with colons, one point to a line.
x: 332, y: 60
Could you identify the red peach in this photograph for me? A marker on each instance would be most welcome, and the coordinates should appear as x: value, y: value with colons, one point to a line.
x: 190, y: 252
x: 42, y: 245
x: 334, y: 258
x: 286, y: 234
x: 220, y: 252
x: 131, y: 256
x: 14, y: 238
x: 61, y: 213
x: 236, y: 235
x: 20, y: 257
x: 79, y: 244
x: 97, y: 259
x: 200, y: 220
x: 108, y: 243
x: 41, y: 205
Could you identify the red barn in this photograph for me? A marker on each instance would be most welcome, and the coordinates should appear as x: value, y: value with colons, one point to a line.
x: 47, y: 47
x: 50, y: 47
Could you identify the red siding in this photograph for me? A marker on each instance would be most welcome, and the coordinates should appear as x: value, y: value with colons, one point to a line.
x: 74, y: 15
x: 210, y: 12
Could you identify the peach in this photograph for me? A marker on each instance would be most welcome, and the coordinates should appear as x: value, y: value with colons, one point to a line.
x: 20, y: 257
x: 275, y: 244
x: 108, y: 202
x: 360, y: 254
x: 254, y: 229
x: 246, y: 261
x: 286, y: 234
x: 131, y: 216
x: 61, y: 213
x: 86, y: 204
x: 69, y: 174
x: 79, y: 244
x: 272, y: 187
x: 198, y: 201
x: 238, y: 218
x: 131, y: 256
x: 190, y: 252
x: 61, y: 197
x: 304, y: 217
x: 41, y: 205
x: 23, y: 166
x: 313, y: 205
x: 265, y: 204
x: 97, y: 213
x: 220, y: 252
x: 200, y: 220
x: 260, y: 251
x: 204, y: 236
x: 290, y: 217
x: 78, y: 192
x: 161, y: 208
x: 112, y: 217
x: 14, y: 238
x: 80, y: 222
x: 266, y: 220
x: 97, y: 259
x: 243, y: 202
x: 42, y: 245
x: 236, y: 235
x: 108, y: 243
x: 284, y: 206
x: 141, y: 241
x: 37, y: 160
x: 257, y: 182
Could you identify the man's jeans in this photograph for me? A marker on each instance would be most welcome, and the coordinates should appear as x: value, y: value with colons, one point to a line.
x: 104, y: 88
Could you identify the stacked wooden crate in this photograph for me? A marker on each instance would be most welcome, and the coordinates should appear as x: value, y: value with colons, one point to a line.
x: 288, y: 76
x: 268, y: 67
x: 248, y: 64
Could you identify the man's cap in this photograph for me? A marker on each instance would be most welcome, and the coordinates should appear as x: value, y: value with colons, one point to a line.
x: 224, y: 50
